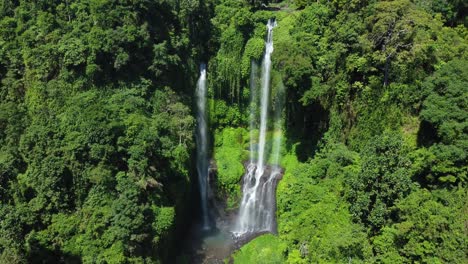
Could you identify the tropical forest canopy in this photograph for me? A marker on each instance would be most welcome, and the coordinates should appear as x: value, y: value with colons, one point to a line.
x: 97, y: 127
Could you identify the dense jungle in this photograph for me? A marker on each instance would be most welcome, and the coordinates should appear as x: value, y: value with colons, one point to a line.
x: 368, y: 115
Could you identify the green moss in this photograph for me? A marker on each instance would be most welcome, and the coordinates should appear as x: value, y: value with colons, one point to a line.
x: 222, y: 115
x: 285, y: 24
x: 263, y: 249
x: 164, y: 219
x: 253, y: 51
x: 230, y: 153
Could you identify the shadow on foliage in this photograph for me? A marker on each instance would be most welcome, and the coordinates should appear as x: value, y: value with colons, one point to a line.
x: 42, y: 255
x: 427, y: 134
x: 306, y: 125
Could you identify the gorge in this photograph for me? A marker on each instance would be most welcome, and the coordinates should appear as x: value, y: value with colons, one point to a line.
x: 257, y: 207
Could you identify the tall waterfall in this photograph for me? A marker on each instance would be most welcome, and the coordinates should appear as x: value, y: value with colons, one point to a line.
x: 253, y: 108
x: 257, y: 209
x: 202, y: 145
x: 266, y: 69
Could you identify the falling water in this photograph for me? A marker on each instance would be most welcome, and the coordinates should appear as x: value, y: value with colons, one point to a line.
x: 253, y: 108
x: 202, y: 145
x: 257, y: 208
x: 266, y: 68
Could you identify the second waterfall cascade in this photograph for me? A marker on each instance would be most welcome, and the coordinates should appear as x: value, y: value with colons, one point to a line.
x: 202, y: 146
x: 257, y: 209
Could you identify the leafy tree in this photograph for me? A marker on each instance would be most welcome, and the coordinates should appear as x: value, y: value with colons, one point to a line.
x: 444, y: 110
x: 384, y: 178
x: 395, y: 25
x: 429, y: 229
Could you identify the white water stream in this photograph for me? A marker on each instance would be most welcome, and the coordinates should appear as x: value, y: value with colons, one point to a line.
x: 257, y: 209
x: 202, y: 145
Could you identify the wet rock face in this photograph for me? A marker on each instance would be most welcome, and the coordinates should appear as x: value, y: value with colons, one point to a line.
x: 222, y: 219
x: 212, y: 179
x: 257, y: 213
x: 262, y: 202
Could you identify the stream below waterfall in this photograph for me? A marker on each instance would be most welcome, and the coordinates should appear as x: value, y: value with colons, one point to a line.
x: 208, y: 247
x: 214, y: 246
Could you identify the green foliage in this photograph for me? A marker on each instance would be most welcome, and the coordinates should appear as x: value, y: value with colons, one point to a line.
x: 229, y: 154
x: 444, y: 111
x: 95, y: 128
x: 164, y: 220
x: 384, y: 179
x: 253, y: 51
x: 232, y: 23
x: 312, y: 216
x: 96, y: 132
x: 430, y: 228
x: 263, y: 249
x: 376, y: 84
x: 223, y: 115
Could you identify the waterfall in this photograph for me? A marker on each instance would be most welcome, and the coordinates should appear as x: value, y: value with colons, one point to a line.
x: 266, y: 69
x: 253, y: 108
x: 202, y: 145
x: 257, y: 209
